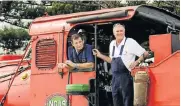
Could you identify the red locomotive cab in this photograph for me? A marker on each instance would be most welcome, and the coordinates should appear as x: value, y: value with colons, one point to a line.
x: 50, y: 86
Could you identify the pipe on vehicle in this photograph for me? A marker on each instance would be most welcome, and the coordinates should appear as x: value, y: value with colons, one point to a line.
x: 117, y: 14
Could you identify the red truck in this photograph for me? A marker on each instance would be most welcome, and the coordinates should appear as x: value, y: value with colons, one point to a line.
x: 37, y: 81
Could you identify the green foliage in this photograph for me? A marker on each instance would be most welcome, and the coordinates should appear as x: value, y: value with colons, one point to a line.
x: 133, y: 3
x: 31, y: 13
x: 172, y: 6
x: 68, y: 7
x: 13, y: 38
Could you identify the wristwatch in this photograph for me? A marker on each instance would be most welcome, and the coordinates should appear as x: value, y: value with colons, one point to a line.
x: 76, y: 66
x: 139, y: 62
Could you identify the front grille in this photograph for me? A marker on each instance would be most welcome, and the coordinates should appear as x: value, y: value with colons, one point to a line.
x: 46, y: 54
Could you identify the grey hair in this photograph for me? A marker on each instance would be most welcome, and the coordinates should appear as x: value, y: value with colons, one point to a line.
x: 76, y: 36
x: 118, y: 24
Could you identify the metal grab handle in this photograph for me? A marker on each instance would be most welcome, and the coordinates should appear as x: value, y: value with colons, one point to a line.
x: 61, y: 73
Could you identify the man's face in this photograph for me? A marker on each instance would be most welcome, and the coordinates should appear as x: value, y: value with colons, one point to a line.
x: 119, y: 32
x: 78, y: 44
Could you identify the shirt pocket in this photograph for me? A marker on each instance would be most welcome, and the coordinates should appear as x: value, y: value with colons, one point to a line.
x: 125, y: 52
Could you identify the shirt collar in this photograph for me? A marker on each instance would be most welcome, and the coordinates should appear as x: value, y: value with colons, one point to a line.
x: 122, y: 42
x: 80, y: 50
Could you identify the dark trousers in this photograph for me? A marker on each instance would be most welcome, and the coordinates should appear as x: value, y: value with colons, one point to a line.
x: 122, y: 90
x: 122, y: 83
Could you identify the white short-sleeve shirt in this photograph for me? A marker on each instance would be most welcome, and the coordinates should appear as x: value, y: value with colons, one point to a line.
x: 130, y: 51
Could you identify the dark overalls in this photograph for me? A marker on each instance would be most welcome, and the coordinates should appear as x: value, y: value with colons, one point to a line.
x: 79, y: 59
x: 85, y: 55
x: 122, y: 83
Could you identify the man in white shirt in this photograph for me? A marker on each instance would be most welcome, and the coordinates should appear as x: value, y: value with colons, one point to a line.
x: 122, y: 53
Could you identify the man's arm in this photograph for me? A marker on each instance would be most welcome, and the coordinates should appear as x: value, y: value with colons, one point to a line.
x: 139, y: 60
x: 84, y: 65
x: 104, y: 57
x: 142, y: 57
x: 89, y: 56
x: 72, y: 65
x: 137, y: 50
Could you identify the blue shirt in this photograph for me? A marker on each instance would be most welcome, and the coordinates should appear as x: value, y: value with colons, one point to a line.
x: 86, y: 54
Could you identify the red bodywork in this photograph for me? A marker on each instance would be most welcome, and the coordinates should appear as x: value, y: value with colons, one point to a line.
x: 164, y: 73
x: 19, y: 92
x: 10, y: 57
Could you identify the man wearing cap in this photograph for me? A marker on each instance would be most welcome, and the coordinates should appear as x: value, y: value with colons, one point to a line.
x: 79, y: 55
x: 122, y: 53
x: 82, y: 33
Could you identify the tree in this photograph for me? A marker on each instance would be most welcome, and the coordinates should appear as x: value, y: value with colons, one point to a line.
x: 172, y: 6
x: 109, y: 4
x: 30, y: 9
x: 14, y: 11
x: 19, y: 10
x: 70, y: 7
x: 12, y: 39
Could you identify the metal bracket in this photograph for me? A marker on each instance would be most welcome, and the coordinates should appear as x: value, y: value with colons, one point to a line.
x: 1, y: 104
x: 89, y: 101
x: 61, y: 74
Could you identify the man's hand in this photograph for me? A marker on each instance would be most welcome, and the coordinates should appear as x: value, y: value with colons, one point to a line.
x: 104, y: 57
x: 70, y: 64
x: 133, y: 65
x: 62, y: 65
x: 96, y: 52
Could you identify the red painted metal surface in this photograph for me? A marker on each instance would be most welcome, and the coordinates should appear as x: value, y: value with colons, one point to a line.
x: 164, y: 89
x: 9, y: 57
x: 164, y: 49
x: 19, y: 92
x: 165, y: 82
x: 164, y: 73
x: 56, y: 23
